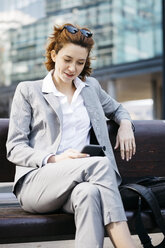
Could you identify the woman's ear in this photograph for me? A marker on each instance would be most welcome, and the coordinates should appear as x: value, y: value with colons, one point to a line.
x: 53, y: 55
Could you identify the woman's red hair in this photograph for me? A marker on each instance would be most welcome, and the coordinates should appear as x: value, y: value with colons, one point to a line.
x: 59, y: 38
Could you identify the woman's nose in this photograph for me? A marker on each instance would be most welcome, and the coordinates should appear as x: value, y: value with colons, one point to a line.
x: 72, y: 67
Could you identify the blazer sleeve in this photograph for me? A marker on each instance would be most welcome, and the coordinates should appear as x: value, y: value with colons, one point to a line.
x: 18, y: 150
x: 112, y: 109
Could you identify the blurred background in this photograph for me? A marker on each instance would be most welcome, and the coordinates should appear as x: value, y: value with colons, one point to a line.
x: 128, y: 51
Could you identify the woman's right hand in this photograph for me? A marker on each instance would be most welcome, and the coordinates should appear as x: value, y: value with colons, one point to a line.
x: 68, y: 154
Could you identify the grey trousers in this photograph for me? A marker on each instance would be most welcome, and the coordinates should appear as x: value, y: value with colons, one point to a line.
x: 86, y: 187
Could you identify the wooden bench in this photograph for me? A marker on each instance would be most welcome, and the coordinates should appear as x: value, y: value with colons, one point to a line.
x: 17, y: 225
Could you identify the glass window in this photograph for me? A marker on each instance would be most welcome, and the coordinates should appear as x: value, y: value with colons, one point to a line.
x: 136, y: 23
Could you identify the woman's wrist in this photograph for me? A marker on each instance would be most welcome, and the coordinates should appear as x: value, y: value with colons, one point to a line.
x: 125, y: 122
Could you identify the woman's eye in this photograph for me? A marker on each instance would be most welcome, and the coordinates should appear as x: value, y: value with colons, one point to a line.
x: 67, y: 60
x: 80, y: 63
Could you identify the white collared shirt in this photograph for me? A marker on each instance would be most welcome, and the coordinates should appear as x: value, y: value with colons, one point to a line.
x: 76, y: 123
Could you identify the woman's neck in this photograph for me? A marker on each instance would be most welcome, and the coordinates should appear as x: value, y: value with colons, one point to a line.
x: 67, y: 89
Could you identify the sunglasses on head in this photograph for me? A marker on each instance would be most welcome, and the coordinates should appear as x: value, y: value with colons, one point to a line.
x: 74, y: 30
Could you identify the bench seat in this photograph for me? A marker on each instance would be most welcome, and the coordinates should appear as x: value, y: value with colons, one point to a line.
x: 26, y: 227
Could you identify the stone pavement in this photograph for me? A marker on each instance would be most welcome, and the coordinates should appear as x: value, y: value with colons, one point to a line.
x: 70, y: 243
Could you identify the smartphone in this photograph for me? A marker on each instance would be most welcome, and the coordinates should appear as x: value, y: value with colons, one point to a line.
x: 94, y: 150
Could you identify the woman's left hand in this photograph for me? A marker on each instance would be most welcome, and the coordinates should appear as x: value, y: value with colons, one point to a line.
x: 126, y: 140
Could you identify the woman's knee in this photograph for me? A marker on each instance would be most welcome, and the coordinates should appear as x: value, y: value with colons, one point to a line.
x: 86, y: 192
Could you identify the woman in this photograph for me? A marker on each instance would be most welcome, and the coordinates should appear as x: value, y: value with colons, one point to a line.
x: 50, y: 123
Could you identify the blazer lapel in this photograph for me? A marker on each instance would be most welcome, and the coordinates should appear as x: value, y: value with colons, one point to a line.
x: 54, y: 103
x: 47, y: 90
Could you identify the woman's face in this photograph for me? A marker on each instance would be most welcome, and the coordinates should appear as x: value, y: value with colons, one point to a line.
x: 69, y: 62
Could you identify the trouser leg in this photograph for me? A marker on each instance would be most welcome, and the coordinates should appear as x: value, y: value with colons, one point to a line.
x: 47, y: 188
x: 85, y: 203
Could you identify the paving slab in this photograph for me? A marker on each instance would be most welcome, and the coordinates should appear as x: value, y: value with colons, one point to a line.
x: 70, y: 243
x: 6, y: 187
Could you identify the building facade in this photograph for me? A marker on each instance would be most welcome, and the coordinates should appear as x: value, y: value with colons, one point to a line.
x: 33, y: 8
x: 128, y: 39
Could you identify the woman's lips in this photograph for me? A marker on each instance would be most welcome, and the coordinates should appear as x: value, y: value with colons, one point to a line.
x: 69, y: 75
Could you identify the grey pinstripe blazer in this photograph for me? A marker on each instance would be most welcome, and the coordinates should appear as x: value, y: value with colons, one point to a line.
x: 36, y: 121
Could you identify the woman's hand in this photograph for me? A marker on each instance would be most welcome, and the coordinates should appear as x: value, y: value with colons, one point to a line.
x: 126, y: 140
x: 68, y: 154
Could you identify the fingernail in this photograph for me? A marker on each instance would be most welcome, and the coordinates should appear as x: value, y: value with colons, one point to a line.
x: 88, y: 155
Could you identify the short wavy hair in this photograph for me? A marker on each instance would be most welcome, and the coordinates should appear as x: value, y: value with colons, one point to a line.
x: 60, y: 37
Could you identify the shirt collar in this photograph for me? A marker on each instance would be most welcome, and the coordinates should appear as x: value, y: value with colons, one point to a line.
x: 79, y: 84
x: 49, y: 87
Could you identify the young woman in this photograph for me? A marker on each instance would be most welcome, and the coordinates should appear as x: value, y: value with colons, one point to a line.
x: 50, y: 123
